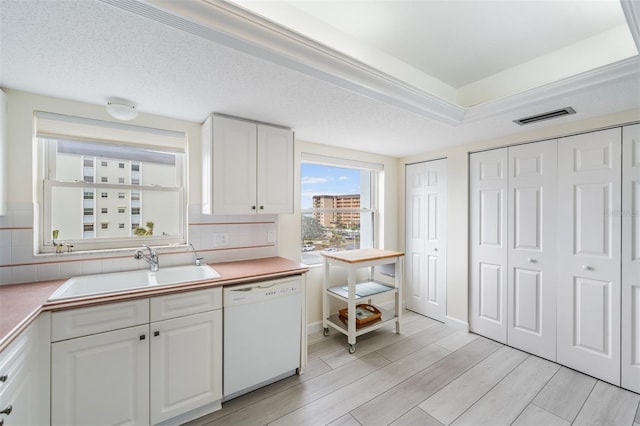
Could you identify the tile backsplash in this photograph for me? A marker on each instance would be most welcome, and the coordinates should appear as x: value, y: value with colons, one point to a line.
x: 215, y: 238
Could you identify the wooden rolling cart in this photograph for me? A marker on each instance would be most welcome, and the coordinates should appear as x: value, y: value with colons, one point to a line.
x: 361, y: 292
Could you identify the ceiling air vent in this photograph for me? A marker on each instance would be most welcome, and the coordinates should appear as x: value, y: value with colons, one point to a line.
x: 545, y: 116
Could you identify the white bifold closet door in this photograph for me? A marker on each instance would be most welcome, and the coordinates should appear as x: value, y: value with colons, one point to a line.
x: 531, y: 281
x: 589, y: 241
x: 426, y: 224
x: 488, y: 186
x: 631, y: 258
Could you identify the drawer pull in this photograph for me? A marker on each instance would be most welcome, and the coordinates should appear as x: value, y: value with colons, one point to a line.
x: 4, y: 378
x: 7, y: 410
x: 156, y: 333
x: 143, y: 336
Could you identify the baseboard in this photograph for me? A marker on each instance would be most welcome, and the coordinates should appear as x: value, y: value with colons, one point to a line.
x: 456, y: 323
x: 314, y: 327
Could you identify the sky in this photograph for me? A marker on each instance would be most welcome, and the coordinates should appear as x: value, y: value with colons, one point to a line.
x: 327, y: 180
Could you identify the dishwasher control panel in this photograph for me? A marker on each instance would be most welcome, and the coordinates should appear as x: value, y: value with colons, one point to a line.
x: 260, y: 291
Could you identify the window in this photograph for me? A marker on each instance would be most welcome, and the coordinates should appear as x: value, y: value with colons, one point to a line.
x: 135, y: 210
x: 103, y: 163
x: 338, y: 205
x: 69, y: 148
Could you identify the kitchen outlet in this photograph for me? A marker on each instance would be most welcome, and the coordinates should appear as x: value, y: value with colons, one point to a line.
x: 221, y: 239
x: 271, y: 237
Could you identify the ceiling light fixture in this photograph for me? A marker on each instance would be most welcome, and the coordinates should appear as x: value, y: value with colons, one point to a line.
x: 122, y: 109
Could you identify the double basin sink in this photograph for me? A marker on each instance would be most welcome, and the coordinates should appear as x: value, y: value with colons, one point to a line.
x: 88, y: 285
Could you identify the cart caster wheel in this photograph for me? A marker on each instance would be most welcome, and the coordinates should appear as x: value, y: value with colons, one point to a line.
x: 352, y: 348
x: 325, y: 332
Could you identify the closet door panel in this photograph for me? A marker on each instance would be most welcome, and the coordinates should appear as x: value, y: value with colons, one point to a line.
x: 631, y: 258
x: 531, y: 284
x: 488, y: 243
x: 589, y: 241
x: 426, y: 238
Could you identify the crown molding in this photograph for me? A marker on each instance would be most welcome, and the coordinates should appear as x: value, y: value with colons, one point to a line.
x: 583, y: 82
x: 234, y: 27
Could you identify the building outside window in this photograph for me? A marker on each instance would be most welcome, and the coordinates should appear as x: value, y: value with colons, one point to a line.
x: 68, y: 204
x: 338, y: 205
x: 103, y: 163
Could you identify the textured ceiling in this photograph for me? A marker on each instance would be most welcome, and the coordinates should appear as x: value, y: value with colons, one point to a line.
x: 87, y: 50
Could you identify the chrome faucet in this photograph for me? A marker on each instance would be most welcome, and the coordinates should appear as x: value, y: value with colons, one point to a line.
x: 198, y: 259
x: 152, y: 259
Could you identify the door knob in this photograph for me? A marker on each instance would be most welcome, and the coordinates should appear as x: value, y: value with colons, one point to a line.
x: 435, y: 249
x: 7, y: 410
x: 3, y: 378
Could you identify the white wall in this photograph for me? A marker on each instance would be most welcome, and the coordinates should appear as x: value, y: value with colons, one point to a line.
x: 458, y: 196
x: 17, y: 232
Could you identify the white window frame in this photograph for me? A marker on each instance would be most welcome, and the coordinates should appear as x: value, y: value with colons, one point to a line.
x: 46, y: 184
x: 368, y: 232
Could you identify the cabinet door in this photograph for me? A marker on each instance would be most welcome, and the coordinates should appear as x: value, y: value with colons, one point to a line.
x: 275, y: 170
x: 101, y: 379
x: 631, y: 258
x: 234, y: 166
x: 488, y: 244
x: 426, y: 188
x: 186, y: 364
x: 531, y: 290
x: 589, y: 253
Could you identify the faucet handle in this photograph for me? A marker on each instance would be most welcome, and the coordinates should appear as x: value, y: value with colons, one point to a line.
x: 199, y: 261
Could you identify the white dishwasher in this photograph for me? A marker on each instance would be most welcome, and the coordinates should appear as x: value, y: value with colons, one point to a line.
x: 262, y: 326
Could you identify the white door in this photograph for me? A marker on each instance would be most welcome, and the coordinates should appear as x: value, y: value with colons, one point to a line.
x: 426, y: 225
x: 488, y: 185
x: 589, y: 243
x: 275, y: 170
x: 101, y: 379
x: 631, y: 258
x: 531, y: 290
x: 186, y: 364
x: 234, y: 166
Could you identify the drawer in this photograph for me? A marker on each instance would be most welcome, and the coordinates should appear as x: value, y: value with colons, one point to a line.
x: 187, y: 303
x: 98, y: 319
x: 12, y: 359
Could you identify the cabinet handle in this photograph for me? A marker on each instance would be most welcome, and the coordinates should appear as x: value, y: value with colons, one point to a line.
x: 143, y: 336
x: 531, y: 260
x: 253, y: 207
x: 261, y: 207
x: 587, y: 268
x: 7, y: 410
x: 156, y: 333
x: 4, y: 378
x: 435, y: 249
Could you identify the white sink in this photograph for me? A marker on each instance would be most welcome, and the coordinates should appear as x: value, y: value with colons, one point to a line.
x: 122, y: 281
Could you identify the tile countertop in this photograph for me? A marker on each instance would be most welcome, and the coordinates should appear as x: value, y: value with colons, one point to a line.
x: 21, y: 303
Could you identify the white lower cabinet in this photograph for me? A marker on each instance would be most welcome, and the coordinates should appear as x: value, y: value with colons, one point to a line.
x: 186, y: 365
x: 167, y: 371
x: 102, y: 379
x: 24, y: 377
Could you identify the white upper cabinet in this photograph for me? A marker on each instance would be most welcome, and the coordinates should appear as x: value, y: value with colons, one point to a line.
x: 247, y: 167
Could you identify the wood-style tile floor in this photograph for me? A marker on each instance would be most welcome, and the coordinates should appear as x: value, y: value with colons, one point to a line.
x: 432, y: 374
